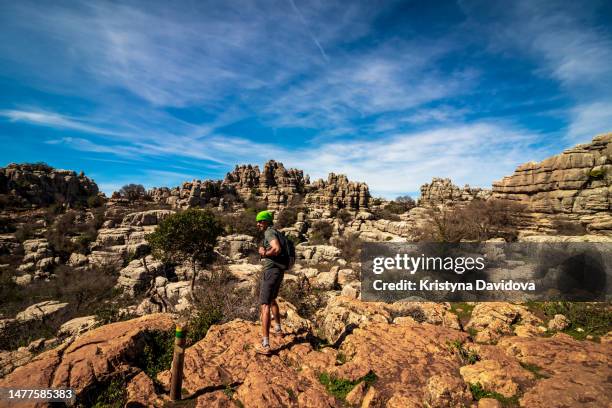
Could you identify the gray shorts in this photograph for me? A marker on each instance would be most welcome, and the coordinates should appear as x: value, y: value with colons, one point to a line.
x: 270, y: 285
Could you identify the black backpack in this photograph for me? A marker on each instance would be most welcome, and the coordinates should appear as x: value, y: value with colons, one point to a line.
x: 287, y: 250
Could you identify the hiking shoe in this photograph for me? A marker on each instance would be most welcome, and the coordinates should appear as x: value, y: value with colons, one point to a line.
x: 261, y: 349
x: 279, y: 333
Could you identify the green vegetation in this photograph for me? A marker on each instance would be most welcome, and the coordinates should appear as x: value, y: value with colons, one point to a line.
x: 536, y: 370
x: 479, y: 393
x: 465, y: 356
x: 157, y: 353
x: 320, y: 233
x: 462, y: 310
x: 189, y: 235
x: 114, y: 395
x: 478, y: 220
x: 198, y: 326
x: 133, y: 192
x: 586, y: 319
x: 340, y: 388
x: 597, y: 174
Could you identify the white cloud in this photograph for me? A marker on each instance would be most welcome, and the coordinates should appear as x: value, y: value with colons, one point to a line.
x: 54, y: 120
x: 589, y: 120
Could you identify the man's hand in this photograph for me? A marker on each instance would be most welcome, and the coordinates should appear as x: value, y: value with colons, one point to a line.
x: 262, y: 251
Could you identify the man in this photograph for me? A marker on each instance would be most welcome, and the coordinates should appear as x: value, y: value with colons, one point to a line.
x: 274, y: 266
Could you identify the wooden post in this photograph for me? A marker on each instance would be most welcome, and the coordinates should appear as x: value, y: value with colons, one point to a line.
x: 176, y: 381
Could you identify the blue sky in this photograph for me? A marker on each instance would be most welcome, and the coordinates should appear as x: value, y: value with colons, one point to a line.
x: 390, y: 93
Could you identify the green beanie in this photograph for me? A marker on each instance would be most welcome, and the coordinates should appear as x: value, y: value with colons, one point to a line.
x: 264, y: 216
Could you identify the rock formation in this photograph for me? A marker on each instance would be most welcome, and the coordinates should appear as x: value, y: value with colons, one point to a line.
x: 338, y: 192
x: 275, y: 185
x: 575, y: 185
x: 442, y: 191
x: 40, y: 184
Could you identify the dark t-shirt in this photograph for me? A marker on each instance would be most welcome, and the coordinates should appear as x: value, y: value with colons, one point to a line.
x: 272, y: 261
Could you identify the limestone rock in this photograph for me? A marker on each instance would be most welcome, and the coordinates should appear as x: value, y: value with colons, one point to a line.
x: 41, y: 185
x: 77, y: 259
x: 338, y: 192
x: 150, y: 217
x: 40, y: 310
x: 495, y: 319
x: 237, y: 246
x: 224, y: 355
x: 411, y: 360
x: 141, y: 392
x: 315, y: 254
x: 575, y: 184
x: 559, y: 322
x: 443, y: 191
x: 343, y: 314
x: 576, y: 370
x: 135, y: 278
x: 77, y: 326
x: 94, y: 357
x: 215, y: 399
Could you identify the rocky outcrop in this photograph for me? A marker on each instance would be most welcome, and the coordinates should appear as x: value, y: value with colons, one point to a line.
x: 108, y: 352
x: 574, y: 185
x: 38, y: 258
x: 40, y: 310
x: 150, y: 217
x: 343, y: 314
x: 576, y: 373
x: 493, y: 320
x: 442, y: 191
x: 338, y: 192
x: 41, y: 185
x: 277, y: 186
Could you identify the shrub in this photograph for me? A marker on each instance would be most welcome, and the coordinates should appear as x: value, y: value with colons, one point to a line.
x: 400, y: 205
x: 6, y: 225
x: 244, y: 222
x: 157, y: 353
x: 95, y: 201
x: 385, y: 214
x: 320, y: 233
x: 567, y: 227
x: 303, y: 296
x: 478, y: 220
x: 287, y: 217
x: 339, y: 387
x: 24, y: 232
x: 190, y: 235
x: 350, y: 247
x: 133, y: 192
x: 344, y: 216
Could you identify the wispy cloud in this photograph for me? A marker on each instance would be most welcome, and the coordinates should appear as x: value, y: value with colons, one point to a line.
x: 54, y: 120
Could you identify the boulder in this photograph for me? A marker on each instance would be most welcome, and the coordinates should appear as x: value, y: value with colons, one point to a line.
x: 150, y: 217
x: 40, y: 310
x: 78, y: 326
x: 492, y: 320
x: 97, y: 356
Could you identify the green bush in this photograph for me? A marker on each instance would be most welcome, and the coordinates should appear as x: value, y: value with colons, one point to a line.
x: 320, y: 233
x: 189, y: 235
x: 586, y: 319
x: 350, y: 247
x: 478, y: 392
x: 157, y: 353
x: 340, y: 388
x: 597, y: 174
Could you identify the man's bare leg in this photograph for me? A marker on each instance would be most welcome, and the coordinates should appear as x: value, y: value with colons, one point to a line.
x: 265, y: 321
x: 276, y: 314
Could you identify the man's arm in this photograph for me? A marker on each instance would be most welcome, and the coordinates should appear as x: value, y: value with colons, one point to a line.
x: 275, y: 248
